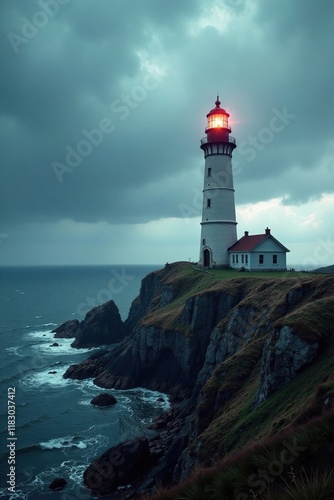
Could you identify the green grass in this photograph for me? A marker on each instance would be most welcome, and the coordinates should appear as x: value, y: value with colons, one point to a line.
x: 233, y: 273
x: 312, y: 322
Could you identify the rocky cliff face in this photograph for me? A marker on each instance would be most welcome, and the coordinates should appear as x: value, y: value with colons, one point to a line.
x: 202, y: 340
x: 284, y: 355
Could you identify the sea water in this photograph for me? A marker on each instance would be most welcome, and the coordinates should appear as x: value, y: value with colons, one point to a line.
x: 57, y: 432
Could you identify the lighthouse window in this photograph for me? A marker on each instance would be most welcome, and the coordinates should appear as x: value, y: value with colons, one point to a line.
x: 246, y: 259
x: 242, y: 258
x: 233, y: 259
x: 209, y: 171
x: 274, y: 259
x: 208, y: 203
x: 260, y: 259
x: 237, y: 259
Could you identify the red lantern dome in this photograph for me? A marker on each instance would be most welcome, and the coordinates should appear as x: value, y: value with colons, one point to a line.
x: 217, y: 118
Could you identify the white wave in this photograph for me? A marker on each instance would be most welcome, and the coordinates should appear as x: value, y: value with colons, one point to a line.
x: 14, y: 351
x: 152, y: 397
x: 40, y: 334
x: 84, y: 402
x: 46, y: 380
x: 64, y: 442
x: 18, y: 495
x: 45, y: 340
x: 63, y: 347
x: 74, y: 470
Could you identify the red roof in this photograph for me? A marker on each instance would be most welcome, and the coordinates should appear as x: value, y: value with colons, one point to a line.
x: 247, y: 243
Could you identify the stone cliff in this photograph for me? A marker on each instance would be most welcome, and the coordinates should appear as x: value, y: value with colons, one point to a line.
x: 210, y: 341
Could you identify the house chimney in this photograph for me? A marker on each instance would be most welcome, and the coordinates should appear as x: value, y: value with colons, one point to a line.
x: 246, y: 233
x: 267, y: 231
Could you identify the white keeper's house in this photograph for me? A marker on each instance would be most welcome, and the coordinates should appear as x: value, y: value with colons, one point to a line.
x: 258, y: 252
x: 219, y: 245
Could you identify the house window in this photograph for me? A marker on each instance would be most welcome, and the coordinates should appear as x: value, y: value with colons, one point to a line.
x: 208, y: 203
x: 237, y: 259
x: 260, y: 259
x: 209, y: 171
x: 274, y: 259
x: 233, y: 259
x: 246, y: 259
x: 242, y: 258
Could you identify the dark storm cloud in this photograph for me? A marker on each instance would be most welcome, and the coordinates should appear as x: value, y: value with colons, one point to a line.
x: 142, y: 75
x: 75, y: 73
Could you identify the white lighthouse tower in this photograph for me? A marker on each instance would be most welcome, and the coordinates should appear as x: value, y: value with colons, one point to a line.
x: 219, y: 224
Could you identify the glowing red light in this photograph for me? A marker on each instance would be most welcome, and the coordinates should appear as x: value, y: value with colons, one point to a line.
x: 217, y: 121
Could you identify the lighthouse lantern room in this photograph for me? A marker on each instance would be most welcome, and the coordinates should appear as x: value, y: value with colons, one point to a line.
x: 218, y: 231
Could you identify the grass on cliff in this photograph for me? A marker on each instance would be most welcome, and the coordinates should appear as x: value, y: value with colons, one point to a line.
x: 190, y: 281
x: 312, y: 322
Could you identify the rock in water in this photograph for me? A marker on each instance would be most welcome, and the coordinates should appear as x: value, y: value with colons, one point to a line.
x: 120, y: 465
x: 104, y: 399
x: 58, y: 484
x: 101, y: 326
x: 67, y: 330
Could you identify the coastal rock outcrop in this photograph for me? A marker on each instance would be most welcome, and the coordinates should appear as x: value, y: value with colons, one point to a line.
x: 58, y: 484
x: 89, y: 368
x: 104, y: 399
x: 120, y: 465
x: 67, y: 330
x: 102, y: 326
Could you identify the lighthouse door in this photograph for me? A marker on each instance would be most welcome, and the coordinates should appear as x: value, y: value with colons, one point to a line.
x: 206, y: 258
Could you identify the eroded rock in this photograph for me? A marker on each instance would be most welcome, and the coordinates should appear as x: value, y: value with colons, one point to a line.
x: 67, y: 330
x: 104, y: 399
x: 58, y: 484
x: 122, y: 464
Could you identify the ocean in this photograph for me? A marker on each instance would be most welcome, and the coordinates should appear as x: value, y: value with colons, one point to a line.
x: 48, y: 426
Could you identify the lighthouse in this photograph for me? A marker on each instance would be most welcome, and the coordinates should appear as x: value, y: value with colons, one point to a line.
x: 219, y: 226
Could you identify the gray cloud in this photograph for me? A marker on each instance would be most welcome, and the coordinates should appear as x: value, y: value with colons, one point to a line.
x: 148, y: 72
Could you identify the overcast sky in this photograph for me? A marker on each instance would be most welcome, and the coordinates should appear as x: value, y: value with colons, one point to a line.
x: 104, y: 103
